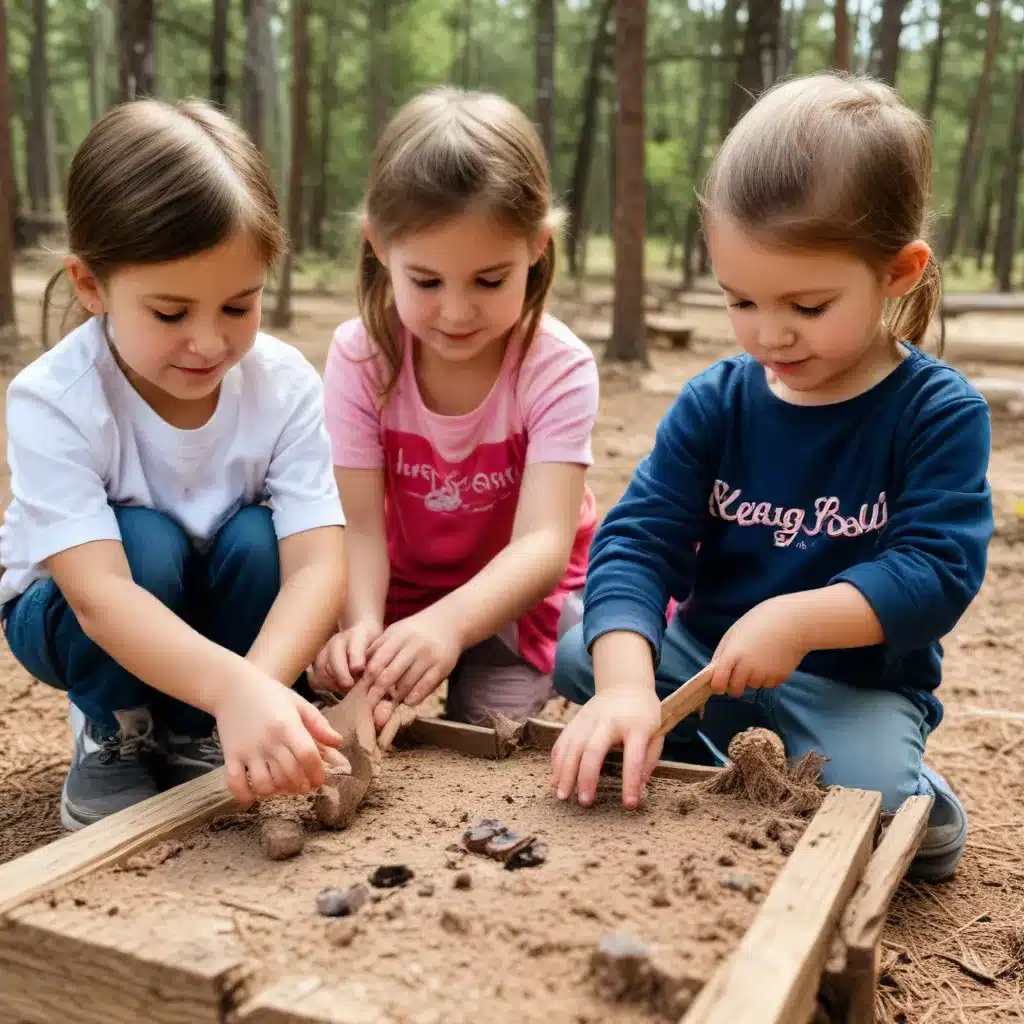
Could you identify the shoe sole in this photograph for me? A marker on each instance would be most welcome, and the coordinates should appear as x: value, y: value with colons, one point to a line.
x: 73, y: 818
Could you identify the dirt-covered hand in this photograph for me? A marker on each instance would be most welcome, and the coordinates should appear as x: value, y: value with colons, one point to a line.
x: 342, y: 660
x: 411, y: 658
x: 760, y: 650
x: 622, y: 715
x: 274, y: 741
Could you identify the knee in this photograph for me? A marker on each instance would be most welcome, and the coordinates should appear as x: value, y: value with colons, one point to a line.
x: 894, y: 773
x: 157, y: 549
x: 247, y: 545
x: 574, y: 671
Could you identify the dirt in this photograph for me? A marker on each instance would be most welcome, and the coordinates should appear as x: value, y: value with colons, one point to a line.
x: 486, y: 940
x: 952, y: 953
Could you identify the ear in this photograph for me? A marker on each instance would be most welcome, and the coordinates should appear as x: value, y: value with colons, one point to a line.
x: 86, y: 286
x: 906, y: 268
x: 371, y: 236
x: 540, y: 243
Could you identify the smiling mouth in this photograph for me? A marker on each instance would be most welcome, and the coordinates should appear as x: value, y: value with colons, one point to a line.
x: 199, y: 371
x: 462, y: 336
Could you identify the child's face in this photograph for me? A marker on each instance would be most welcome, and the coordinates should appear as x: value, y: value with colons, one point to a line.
x: 180, y: 326
x: 813, y: 319
x: 459, y: 286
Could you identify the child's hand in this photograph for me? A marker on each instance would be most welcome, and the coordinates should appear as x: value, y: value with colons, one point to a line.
x: 624, y: 714
x: 274, y: 741
x: 412, y: 657
x: 761, y: 649
x: 342, y: 660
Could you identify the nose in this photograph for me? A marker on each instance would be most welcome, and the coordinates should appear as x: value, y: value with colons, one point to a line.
x: 774, y: 335
x: 457, y: 307
x: 209, y: 344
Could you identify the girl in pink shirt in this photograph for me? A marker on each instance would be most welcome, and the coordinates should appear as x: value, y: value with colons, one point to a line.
x: 460, y: 417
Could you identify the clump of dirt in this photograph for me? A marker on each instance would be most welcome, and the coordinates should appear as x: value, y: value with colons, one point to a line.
x: 508, y: 732
x: 281, y: 838
x: 759, y: 771
x: 338, y: 799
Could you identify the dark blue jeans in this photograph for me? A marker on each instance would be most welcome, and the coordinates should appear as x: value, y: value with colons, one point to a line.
x: 224, y: 592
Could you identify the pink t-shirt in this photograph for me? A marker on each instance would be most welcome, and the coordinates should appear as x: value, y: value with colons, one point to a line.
x: 452, y: 482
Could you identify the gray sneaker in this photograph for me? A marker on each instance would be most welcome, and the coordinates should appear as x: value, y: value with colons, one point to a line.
x: 108, y: 773
x: 187, y: 758
x: 946, y: 836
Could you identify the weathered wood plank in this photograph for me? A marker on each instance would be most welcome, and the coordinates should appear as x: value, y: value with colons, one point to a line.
x: 308, y: 1000
x: 772, y: 977
x: 115, y: 838
x: 475, y: 740
x: 52, y: 972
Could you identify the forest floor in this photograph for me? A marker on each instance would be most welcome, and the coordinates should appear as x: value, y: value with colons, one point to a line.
x: 952, y: 953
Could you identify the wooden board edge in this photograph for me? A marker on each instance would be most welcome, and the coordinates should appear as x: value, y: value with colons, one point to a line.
x: 772, y: 977
x: 307, y: 999
x: 113, y: 839
x: 50, y: 976
x: 542, y: 734
x: 459, y: 737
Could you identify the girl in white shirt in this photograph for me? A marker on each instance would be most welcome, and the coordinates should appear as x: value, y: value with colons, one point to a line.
x: 174, y: 548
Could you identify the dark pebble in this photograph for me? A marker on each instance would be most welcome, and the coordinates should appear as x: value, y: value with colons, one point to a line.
x: 529, y: 857
x: 389, y: 876
x: 476, y: 839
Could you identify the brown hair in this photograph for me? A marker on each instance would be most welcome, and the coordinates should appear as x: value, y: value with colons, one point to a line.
x: 154, y: 182
x: 838, y: 162
x: 444, y: 152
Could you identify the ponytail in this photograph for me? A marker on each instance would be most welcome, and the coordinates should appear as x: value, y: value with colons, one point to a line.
x: 913, y: 313
x: 376, y: 309
x: 74, y: 315
x: 539, y: 280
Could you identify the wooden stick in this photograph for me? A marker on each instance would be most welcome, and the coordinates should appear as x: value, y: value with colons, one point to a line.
x: 114, y: 839
x: 690, y: 697
x: 772, y: 977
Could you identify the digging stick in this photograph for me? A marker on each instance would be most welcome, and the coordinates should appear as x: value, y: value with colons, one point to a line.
x: 690, y: 697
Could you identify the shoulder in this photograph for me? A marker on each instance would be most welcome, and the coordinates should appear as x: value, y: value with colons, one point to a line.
x: 557, y: 361
x: 935, y: 397
x: 719, y: 387
x: 69, y: 377
x: 278, y: 367
x: 352, y: 341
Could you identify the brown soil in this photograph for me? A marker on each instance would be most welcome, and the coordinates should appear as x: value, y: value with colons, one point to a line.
x: 952, y: 954
x: 485, y: 940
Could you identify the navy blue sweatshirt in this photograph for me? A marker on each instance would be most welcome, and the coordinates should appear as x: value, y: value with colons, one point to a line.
x: 746, y: 497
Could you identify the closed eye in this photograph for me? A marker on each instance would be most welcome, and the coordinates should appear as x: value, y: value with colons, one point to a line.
x: 811, y: 311
x: 169, y: 318
x: 485, y: 283
x: 235, y: 311
x: 430, y: 282
x: 741, y: 304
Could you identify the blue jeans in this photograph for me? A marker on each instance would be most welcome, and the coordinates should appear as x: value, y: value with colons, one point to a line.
x: 874, y: 739
x: 224, y: 592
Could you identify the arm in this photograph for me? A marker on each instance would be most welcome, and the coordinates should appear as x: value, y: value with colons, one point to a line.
x: 532, y: 564
x: 362, y: 491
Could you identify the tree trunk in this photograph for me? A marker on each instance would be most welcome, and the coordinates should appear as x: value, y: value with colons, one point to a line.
x: 219, y: 53
x: 378, y: 70
x: 692, y: 229
x: 730, y: 28
x: 842, y: 58
x: 890, y: 27
x: 935, y: 63
x: 984, y: 220
x: 1009, y: 200
x: 756, y: 70
x: 629, y: 341
x: 7, y: 206
x: 588, y: 129
x: 328, y: 100
x: 255, y: 99
x: 136, y: 34
x: 546, y: 29
x: 300, y: 115
x: 976, y: 117
x: 40, y: 188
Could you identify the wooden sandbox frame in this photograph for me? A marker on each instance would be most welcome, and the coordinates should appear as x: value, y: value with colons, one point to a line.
x: 818, y: 929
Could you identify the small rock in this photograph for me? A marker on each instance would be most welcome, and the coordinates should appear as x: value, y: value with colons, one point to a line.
x: 476, y: 839
x: 281, y: 838
x: 508, y: 798
x: 340, y: 903
x: 463, y: 880
x: 453, y: 922
x: 688, y: 801
x: 726, y: 861
x: 342, y: 931
x: 465, y: 817
x: 661, y: 899
x: 529, y: 857
x: 427, y: 889
x: 389, y: 876
x: 739, y: 883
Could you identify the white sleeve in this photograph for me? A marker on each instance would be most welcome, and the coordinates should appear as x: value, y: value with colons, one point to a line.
x: 57, y: 476
x: 300, y: 479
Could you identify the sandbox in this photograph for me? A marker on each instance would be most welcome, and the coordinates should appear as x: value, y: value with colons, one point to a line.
x: 694, y: 907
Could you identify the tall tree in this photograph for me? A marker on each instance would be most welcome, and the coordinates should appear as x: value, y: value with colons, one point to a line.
x: 890, y: 27
x: 756, y: 70
x: 328, y: 92
x: 970, y: 153
x: 7, y: 186
x: 136, y: 33
x: 935, y: 60
x: 219, y: 53
x: 588, y: 131
x: 300, y: 119
x: 378, y: 69
x: 40, y: 188
x: 1009, y: 199
x: 842, y: 58
x: 7, y: 325
x: 256, y: 97
x: 99, y: 59
x: 546, y: 29
x: 629, y: 341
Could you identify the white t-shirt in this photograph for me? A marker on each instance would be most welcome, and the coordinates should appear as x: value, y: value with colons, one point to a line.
x: 80, y: 439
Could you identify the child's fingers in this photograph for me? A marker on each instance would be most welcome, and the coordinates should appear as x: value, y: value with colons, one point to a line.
x: 723, y: 671
x: 410, y: 679
x: 284, y: 766
x: 382, y: 713
x: 260, y: 780
x: 338, y: 666
x: 429, y: 682
x: 738, y: 679
x: 573, y: 742
x: 388, y: 673
x: 634, y: 756
x: 303, y: 744
x: 358, y: 643
x: 594, y: 753
x: 237, y: 783
x: 333, y: 757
